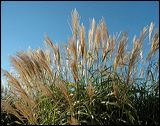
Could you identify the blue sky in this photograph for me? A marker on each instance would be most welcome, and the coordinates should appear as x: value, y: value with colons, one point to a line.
x: 25, y: 24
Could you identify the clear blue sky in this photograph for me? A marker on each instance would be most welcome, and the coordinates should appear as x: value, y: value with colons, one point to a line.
x: 25, y: 24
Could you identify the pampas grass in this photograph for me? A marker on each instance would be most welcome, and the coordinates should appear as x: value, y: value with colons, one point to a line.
x: 95, y: 84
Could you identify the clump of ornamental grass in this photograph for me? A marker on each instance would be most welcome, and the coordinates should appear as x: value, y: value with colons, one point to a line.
x: 94, y: 82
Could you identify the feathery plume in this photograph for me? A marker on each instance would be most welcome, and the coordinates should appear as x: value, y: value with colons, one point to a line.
x: 6, y: 106
x: 82, y: 39
x: 112, y: 46
x: 97, y: 40
x: 75, y: 23
x: 72, y: 47
x: 121, y: 50
x: 74, y: 70
x: 151, y: 30
x: 155, y: 45
x: 104, y: 34
x: 90, y: 36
